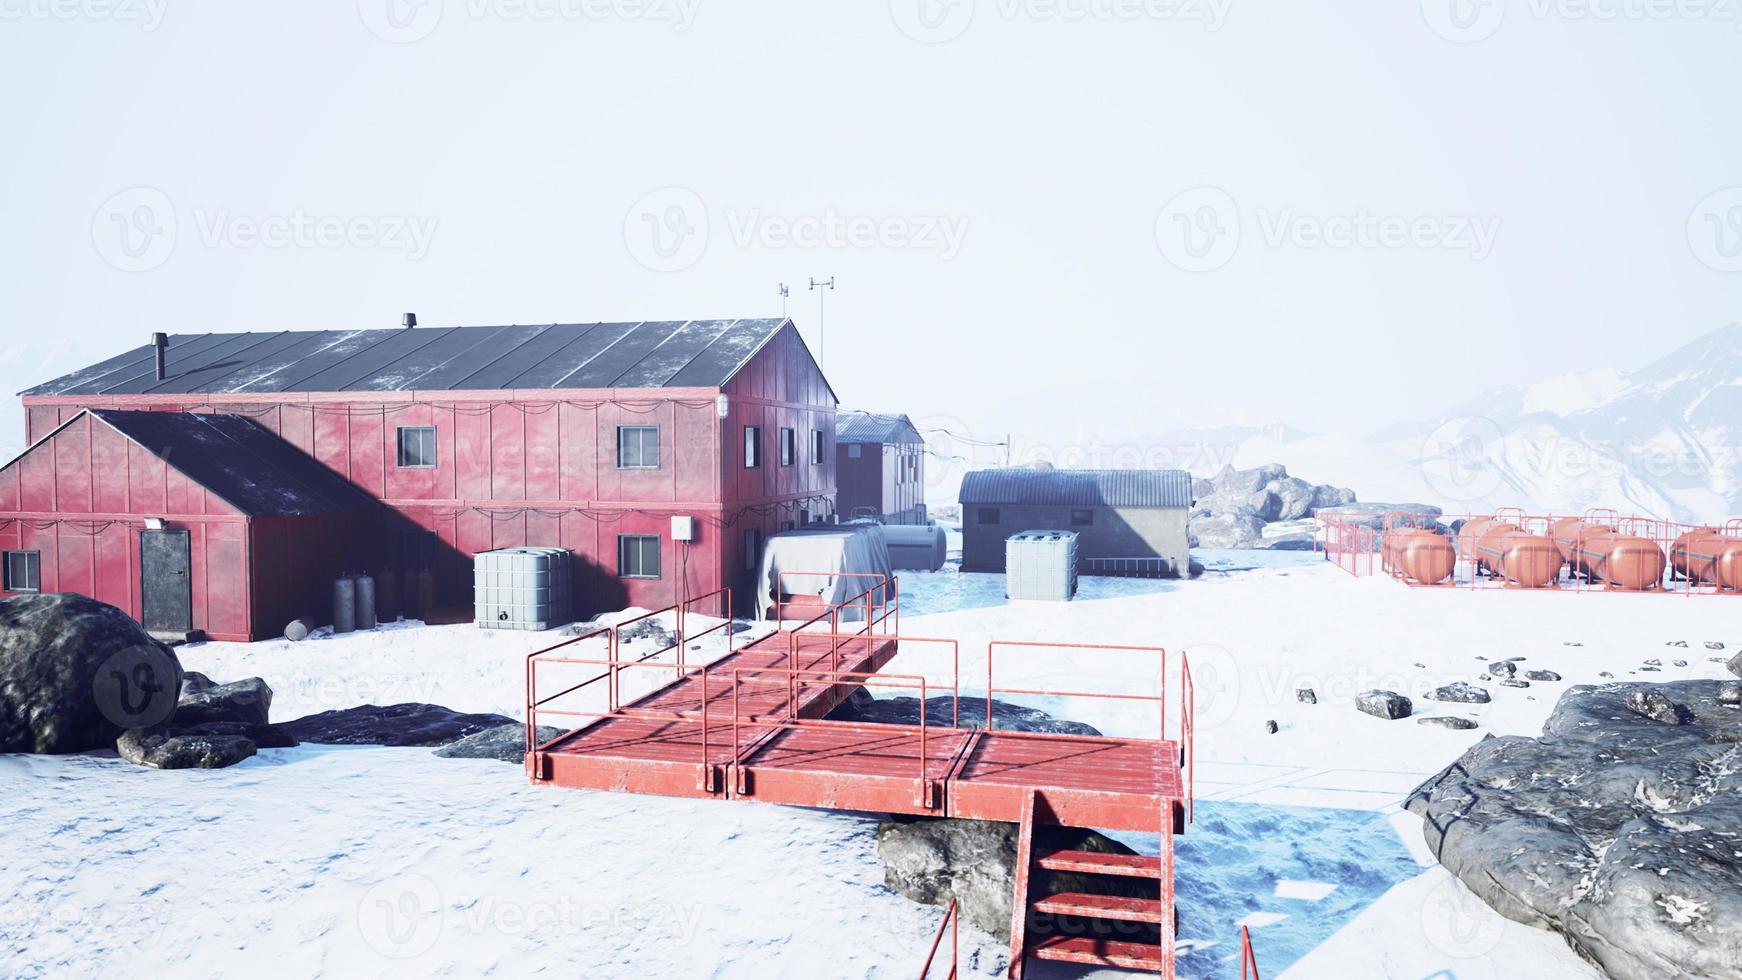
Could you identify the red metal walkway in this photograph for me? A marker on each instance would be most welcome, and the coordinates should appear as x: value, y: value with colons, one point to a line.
x: 750, y: 725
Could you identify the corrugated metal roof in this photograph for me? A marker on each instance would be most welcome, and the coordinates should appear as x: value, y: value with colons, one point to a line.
x: 652, y: 354
x: 1079, y: 488
x: 869, y: 427
x: 240, y: 460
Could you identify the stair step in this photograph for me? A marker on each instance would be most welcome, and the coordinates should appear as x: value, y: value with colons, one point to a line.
x: 1089, y: 906
x: 1100, y: 952
x: 1094, y: 862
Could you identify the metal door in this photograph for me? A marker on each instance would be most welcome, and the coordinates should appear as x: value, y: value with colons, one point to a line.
x: 166, y: 587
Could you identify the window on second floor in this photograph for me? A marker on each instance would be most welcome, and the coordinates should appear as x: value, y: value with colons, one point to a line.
x: 752, y: 447
x: 23, y: 571
x: 638, y: 447
x: 816, y: 447
x: 417, y: 447
x: 788, y: 447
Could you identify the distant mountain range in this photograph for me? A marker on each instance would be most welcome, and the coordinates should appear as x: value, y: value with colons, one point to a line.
x: 1664, y: 441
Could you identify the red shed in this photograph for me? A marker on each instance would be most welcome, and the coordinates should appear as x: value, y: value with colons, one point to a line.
x: 188, y: 522
x: 661, y: 453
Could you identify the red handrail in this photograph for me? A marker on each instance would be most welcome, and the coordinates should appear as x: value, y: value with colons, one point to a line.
x: 1248, y: 959
x: 952, y: 922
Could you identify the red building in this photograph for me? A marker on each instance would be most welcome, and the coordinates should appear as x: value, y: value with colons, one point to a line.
x: 450, y: 441
x: 880, y: 467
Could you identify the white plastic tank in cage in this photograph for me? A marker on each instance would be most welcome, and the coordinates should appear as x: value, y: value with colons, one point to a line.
x: 1041, y: 565
x: 523, y: 588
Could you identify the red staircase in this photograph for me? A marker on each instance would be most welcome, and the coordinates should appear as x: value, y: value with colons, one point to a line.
x: 1068, y: 945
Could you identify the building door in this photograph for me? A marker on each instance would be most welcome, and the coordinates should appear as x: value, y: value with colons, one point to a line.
x: 165, y: 583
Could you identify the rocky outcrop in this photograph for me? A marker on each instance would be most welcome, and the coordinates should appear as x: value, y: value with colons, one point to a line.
x: 964, y: 712
x: 161, y: 748
x: 395, y: 724
x: 505, y: 743
x: 1620, y: 828
x: 1233, y: 509
x: 75, y: 673
x: 974, y: 862
x: 246, y: 702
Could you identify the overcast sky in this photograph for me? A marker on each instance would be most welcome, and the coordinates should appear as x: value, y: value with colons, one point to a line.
x: 1054, y: 218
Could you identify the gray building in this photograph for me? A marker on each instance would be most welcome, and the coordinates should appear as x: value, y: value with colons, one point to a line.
x: 1126, y: 521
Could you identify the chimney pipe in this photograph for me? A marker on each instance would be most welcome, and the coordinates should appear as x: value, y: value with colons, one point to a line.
x: 160, y: 342
x: 410, y: 320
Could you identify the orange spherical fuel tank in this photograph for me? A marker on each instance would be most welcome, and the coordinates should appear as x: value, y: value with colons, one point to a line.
x: 1730, y: 564
x: 1530, y: 560
x: 1421, y: 556
x: 1623, y: 561
x: 1694, y: 556
x: 1470, y: 540
x: 1570, y: 535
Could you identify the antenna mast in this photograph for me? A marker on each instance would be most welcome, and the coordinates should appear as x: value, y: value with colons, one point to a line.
x: 827, y: 286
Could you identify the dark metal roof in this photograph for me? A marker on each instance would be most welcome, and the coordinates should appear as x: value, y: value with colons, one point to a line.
x: 1079, y: 488
x: 241, y: 461
x: 869, y: 427
x: 652, y: 354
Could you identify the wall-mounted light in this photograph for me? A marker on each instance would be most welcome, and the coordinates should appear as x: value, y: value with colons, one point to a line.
x: 154, y: 523
x: 722, y: 407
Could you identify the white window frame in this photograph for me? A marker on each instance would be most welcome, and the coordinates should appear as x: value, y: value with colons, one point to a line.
x: 639, y: 433
x: 640, y: 541
x: 421, y: 432
x: 31, y: 562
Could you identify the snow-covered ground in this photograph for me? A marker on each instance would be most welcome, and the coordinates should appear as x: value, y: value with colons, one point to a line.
x: 377, y: 861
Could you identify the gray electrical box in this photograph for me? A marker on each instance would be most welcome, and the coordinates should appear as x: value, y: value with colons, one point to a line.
x: 523, y: 588
x: 1041, y: 565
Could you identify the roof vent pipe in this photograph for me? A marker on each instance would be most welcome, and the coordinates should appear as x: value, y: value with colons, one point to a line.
x: 160, y: 343
x: 410, y: 320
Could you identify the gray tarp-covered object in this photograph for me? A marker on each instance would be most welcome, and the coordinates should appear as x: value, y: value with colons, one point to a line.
x: 839, y: 562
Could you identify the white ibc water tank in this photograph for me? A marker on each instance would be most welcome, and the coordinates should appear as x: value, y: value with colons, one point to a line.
x: 523, y: 588
x: 1041, y: 565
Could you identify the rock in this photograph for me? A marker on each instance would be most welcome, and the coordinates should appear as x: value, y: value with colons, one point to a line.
x: 1679, y: 663
x: 1506, y: 667
x: 1606, y: 675
x: 1614, y: 829
x: 1572, y: 643
x: 1650, y: 670
x: 1231, y: 480
x: 1731, y: 695
x: 1461, y: 693
x: 193, y: 682
x: 1242, y: 529
x: 1676, y: 643
x: 1711, y: 645
x: 1735, y: 665
x: 263, y: 736
x: 1270, y: 727
x: 968, y: 713
x: 396, y: 724
x: 1655, y: 705
x: 1326, y: 496
x: 159, y: 748
x: 75, y: 673
x: 1542, y: 675
x: 645, y: 631
x: 247, y: 702
x: 974, y: 861
x: 1374, y: 515
x: 1267, y: 505
x: 1654, y: 662
x: 1389, y: 705
x: 1513, y: 682
x: 1447, y: 721
x: 505, y: 743
x: 1306, y: 695
x: 1294, y: 498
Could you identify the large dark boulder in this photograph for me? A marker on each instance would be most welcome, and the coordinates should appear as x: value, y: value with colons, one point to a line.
x: 75, y: 673
x: 245, y: 702
x: 162, y: 748
x: 504, y: 743
x: 1620, y: 828
x: 966, y: 713
x: 974, y: 862
x: 395, y: 724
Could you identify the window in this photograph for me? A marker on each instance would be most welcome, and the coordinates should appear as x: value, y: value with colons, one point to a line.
x: 817, y: 447
x: 752, y: 548
x: 788, y: 447
x: 417, y: 447
x: 988, y: 515
x: 24, y: 571
x: 1082, y: 518
x: 853, y: 451
x: 638, y: 447
x: 752, y: 447
x: 638, y: 555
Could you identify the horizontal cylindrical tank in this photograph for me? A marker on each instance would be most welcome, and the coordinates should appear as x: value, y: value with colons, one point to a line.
x: 1623, y: 561
x: 1530, y: 560
x: 1470, y: 540
x: 1709, y: 556
x: 1570, y: 534
x: 1421, y: 556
